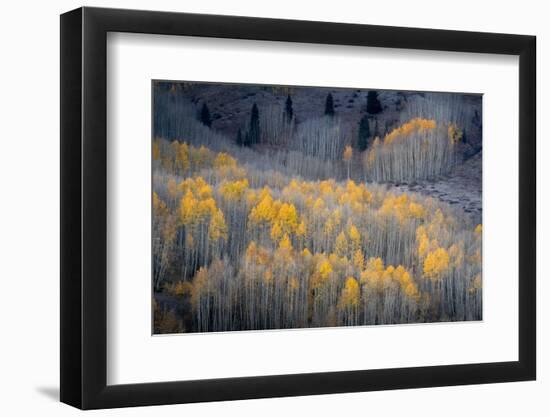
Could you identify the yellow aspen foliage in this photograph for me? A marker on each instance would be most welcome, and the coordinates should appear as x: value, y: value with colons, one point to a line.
x: 285, y: 243
x: 175, y: 145
x: 306, y: 253
x: 456, y: 254
x: 170, y: 229
x: 416, y: 210
x: 172, y: 188
x: 422, y: 242
x: 276, y: 232
x: 318, y: 206
x: 201, y: 156
x: 401, y: 274
x: 478, y: 230
x: 302, y: 229
x: 325, y: 268
x: 292, y: 187
x: 354, y: 236
x: 180, y: 288
x: 167, y: 162
x: 287, y: 218
x: 234, y: 190
x: 436, y: 263
x: 411, y: 290
x: 217, y: 229
x: 224, y: 160
x: 373, y: 271
x: 387, y: 276
x: 329, y: 227
x: 200, y: 285
x: 408, y: 128
x: 348, y: 153
x: 251, y: 251
x: 251, y: 197
x: 337, y: 216
x: 337, y: 261
x: 476, y: 257
x: 205, y: 209
x: 156, y: 150
x: 455, y: 133
x: 189, y: 240
x: 159, y: 206
x: 188, y: 205
x: 156, y: 200
x: 293, y: 283
x: 182, y: 156
x: 476, y: 284
x: 341, y: 245
x: 405, y: 281
x: 396, y: 206
x: 326, y: 187
x: 264, y: 211
x: 268, y: 276
x: 358, y: 259
x: 373, y: 152
x: 351, y: 294
x: 375, y: 264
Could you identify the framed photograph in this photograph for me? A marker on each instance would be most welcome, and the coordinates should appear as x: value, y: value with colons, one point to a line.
x: 257, y: 208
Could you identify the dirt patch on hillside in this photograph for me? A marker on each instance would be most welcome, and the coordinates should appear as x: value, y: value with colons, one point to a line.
x: 461, y: 188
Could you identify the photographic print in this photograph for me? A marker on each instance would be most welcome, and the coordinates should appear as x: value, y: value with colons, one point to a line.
x: 291, y: 207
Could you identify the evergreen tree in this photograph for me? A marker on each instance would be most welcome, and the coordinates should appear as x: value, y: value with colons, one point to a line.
x: 254, y: 130
x: 373, y: 104
x: 240, y: 139
x: 364, y: 133
x: 289, y: 111
x: 205, y: 116
x: 329, y: 105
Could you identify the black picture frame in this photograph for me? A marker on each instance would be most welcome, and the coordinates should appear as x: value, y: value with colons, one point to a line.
x: 84, y: 207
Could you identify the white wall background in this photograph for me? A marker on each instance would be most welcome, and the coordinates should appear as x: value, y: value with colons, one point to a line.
x: 29, y: 225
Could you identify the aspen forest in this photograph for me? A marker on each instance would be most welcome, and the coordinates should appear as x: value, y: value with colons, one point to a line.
x: 281, y: 207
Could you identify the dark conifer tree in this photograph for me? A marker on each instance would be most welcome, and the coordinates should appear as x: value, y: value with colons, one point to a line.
x: 363, y: 134
x: 205, y: 116
x: 373, y: 104
x: 329, y: 105
x: 254, y: 130
x: 240, y: 139
x: 246, y: 139
x: 289, y: 111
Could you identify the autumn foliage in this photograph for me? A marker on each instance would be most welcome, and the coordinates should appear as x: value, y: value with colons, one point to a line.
x: 241, y: 248
x: 418, y: 149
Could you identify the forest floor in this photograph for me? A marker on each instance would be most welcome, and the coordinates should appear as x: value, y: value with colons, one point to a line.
x: 461, y: 188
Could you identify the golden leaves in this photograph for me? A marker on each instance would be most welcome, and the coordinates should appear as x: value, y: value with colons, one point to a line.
x: 455, y: 133
x: 264, y: 211
x: 217, y: 229
x: 348, y: 153
x: 351, y: 294
x: 234, y: 190
x: 285, y: 243
x: 478, y: 230
x: 341, y: 245
x: 156, y: 150
x: 327, y: 243
x: 408, y: 128
x: 324, y: 269
x: 436, y: 263
x: 188, y: 206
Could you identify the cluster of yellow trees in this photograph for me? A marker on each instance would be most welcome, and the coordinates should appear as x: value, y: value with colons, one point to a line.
x: 246, y: 249
x: 418, y: 149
